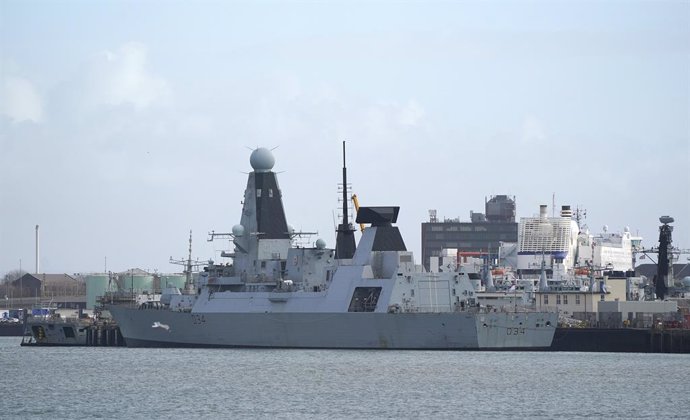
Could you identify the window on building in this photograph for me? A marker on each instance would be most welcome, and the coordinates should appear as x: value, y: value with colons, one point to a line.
x: 577, y: 299
x: 558, y: 299
x: 546, y: 299
x: 565, y: 299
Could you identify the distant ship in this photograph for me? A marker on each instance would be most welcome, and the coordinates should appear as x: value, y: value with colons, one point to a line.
x: 372, y: 296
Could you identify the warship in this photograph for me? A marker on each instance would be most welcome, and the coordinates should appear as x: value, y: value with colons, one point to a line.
x: 371, y: 295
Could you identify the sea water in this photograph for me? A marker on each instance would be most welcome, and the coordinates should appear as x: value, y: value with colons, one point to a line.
x: 92, y: 382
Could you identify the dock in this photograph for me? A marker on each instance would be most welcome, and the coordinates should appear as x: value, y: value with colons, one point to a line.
x: 625, y: 340
x: 108, y: 335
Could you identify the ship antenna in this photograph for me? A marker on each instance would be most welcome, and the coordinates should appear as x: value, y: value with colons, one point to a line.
x: 346, y: 220
x: 345, y: 239
x: 189, y: 260
x: 189, y: 266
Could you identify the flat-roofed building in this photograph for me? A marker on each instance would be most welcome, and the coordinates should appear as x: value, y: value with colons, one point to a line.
x: 483, y: 233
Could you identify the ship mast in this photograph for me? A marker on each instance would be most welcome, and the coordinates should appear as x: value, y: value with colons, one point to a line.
x: 664, y: 277
x: 189, y: 266
x: 345, y: 239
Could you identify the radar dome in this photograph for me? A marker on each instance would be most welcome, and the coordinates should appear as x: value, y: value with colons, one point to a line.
x: 238, y: 230
x: 320, y: 243
x: 262, y: 160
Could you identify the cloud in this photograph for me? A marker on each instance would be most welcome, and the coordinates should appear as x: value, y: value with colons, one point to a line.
x: 122, y: 77
x: 20, y: 101
x: 386, y: 118
x: 411, y: 113
x: 532, y: 130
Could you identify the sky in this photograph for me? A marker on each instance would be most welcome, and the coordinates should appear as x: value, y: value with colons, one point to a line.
x: 124, y: 125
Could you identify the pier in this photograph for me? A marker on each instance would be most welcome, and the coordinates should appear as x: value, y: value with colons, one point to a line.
x: 107, y: 335
x: 626, y: 340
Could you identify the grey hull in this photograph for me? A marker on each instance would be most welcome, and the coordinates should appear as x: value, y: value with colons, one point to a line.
x: 57, y: 333
x: 464, y: 330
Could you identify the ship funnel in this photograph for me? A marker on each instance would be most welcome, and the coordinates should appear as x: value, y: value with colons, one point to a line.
x: 542, y: 212
x: 566, y: 212
x: 489, y: 280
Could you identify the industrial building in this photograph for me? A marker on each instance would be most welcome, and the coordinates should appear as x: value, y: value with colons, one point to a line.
x: 65, y: 290
x: 482, y: 234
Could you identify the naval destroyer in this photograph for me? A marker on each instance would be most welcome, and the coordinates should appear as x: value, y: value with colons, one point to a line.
x: 275, y: 293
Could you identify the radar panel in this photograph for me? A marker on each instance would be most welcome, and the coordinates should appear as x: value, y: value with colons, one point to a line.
x: 378, y: 215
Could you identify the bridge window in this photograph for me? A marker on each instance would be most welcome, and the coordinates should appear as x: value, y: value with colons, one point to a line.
x: 364, y: 299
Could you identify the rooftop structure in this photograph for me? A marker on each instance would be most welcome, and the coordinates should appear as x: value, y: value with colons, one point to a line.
x: 483, y: 233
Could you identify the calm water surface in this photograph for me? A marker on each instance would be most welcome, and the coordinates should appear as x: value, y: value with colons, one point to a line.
x: 84, y: 382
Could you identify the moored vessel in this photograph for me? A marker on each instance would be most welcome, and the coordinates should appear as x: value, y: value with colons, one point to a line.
x: 372, y: 296
x: 46, y: 327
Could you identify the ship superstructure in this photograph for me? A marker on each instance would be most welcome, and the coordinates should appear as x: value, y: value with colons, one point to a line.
x: 275, y: 294
x: 547, y: 239
x: 610, y: 250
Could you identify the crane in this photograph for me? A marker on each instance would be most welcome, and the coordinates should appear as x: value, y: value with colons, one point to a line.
x: 355, y: 200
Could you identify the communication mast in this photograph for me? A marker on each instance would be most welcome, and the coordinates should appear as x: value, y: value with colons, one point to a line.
x: 189, y: 266
x: 345, y: 239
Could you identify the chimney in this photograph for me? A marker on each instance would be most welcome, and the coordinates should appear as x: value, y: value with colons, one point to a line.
x: 37, y: 252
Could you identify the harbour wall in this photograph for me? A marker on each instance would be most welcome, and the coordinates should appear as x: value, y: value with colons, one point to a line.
x: 625, y: 340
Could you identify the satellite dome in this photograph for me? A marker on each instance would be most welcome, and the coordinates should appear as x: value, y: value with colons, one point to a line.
x: 238, y: 230
x: 262, y: 160
x: 290, y: 229
x: 320, y: 243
